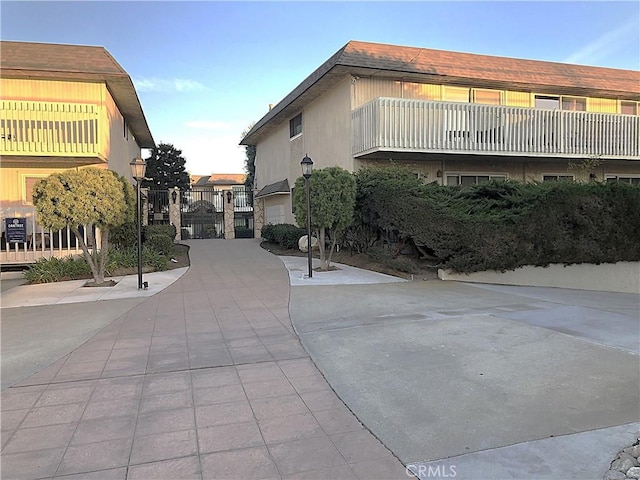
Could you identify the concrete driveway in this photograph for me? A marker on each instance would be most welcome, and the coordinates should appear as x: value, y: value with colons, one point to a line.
x: 479, y: 381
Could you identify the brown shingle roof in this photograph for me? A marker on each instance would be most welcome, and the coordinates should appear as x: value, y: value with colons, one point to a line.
x: 275, y: 188
x: 512, y: 71
x: 219, y: 179
x: 78, y: 63
x: 439, y: 66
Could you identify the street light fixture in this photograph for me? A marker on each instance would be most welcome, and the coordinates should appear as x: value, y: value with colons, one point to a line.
x: 307, y: 170
x: 138, y: 169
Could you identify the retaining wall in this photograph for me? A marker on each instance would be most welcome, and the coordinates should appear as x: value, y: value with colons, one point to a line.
x: 621, y: 277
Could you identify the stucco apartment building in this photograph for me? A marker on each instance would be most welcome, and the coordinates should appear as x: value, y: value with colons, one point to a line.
x: 453, y: 118
x: 62, y: 107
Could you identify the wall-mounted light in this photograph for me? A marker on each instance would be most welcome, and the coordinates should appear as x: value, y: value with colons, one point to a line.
x: 229, y: 195
x: 439, y: 174
x: 174, y: 196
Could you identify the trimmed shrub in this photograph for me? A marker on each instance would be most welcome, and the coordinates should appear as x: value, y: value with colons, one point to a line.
x: 244, y: 232
x: 70, y: 268
x: 159, y: 238
x: 124, y: 235
x: 47, y: 270
x: 284, y: 234
x: 151, y: 230
x: 498, y: 225
x: 268, y: 233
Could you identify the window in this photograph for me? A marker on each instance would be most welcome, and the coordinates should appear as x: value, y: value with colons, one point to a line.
x: 555, y: 102
x: 487, y: 97
x: 467, y: 180
x: 29, y: 183
x: 557, y: 178
x: 295, y: 126
x: 455, y: 94
x: 578, y: 104
x: 629, y: 108
x: 545, y: 101
x: 623, y: 179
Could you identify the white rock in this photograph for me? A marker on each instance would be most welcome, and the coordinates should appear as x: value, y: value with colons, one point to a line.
x: 622, y: 465
x: 633, y: 472
x: 302, y: 243
x: 614, y: 475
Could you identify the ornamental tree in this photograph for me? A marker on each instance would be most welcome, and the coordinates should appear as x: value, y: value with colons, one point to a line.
x: 87, y: 198
x: 332, y: 194
x: 166, y: 169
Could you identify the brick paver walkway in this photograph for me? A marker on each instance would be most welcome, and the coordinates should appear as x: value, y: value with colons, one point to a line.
x: 205, y: 380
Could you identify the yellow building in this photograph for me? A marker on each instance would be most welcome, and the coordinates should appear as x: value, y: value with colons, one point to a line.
x: 453, y: 118
x: 61, y: 107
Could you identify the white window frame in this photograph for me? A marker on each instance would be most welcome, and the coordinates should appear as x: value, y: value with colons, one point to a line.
x: 617, y: 176
x: 292, y: 137
x: 628, y: 101
x: 568, y: 175
x: 491, y: 176
x: 23, y: 185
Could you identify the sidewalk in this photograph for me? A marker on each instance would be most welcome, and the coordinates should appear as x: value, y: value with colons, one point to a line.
x: 204, y: 379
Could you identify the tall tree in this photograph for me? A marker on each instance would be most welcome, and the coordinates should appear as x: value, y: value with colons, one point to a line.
x: 333, y: 196
x: 249, y: 160
x: 86, y: 198
x: 166, y: 168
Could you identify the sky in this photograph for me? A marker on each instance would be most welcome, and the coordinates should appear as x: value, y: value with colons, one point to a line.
x: 207, y: 70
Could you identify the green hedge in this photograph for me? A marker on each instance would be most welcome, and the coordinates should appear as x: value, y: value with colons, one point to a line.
x: 284, y: 234
x: 47, y: 270
x: 498, y: 225
x: 159, y: 237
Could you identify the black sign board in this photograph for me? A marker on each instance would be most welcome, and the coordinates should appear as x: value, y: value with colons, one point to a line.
x: 16, y: 230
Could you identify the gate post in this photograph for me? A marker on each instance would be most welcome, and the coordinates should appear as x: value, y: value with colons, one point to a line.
x: 258, y: 216
x: 229, y: 214
x: 174, y: 212
x: 144, y: 195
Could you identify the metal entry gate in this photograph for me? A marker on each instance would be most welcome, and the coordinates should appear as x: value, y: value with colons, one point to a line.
x: 201, y: 213
x: 158, y: 207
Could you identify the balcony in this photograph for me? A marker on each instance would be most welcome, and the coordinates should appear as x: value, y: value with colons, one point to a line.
x: 51, y: 129
x: 399, y: 125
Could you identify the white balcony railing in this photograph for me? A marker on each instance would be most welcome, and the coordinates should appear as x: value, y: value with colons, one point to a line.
x: 394, y: 124
x: 49, y: 129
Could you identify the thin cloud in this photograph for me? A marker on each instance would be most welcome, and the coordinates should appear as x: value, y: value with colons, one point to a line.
x: 606, y: 44
x: 168, y: 85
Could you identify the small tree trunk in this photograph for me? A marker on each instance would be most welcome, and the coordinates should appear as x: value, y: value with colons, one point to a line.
x: 321, y: 246
x: 104, y: 254
x: 87, y: 256
x: 331, y: 250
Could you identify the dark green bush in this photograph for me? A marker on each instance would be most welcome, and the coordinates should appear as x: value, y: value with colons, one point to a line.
x: 289, y: 235
x: 47, y: 270
x: 128, y: 258
x: 268, y: 233
x: 244, y: 232
x: 284, y: 234
x: 70, y: 268
x: 124, y: 235
x: 152, y: 230
x: 498, y: 225
x: 159, y: 238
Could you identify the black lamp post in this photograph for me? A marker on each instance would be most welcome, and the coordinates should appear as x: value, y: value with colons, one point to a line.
x: 307, y: 170
x: 138, y: 169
